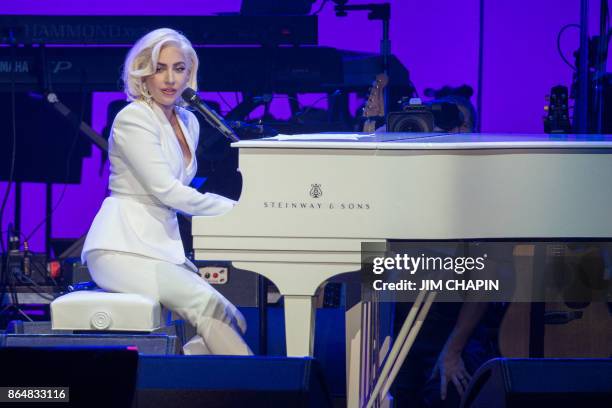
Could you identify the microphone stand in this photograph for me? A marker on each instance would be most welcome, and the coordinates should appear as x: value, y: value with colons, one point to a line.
x: 581, y: 120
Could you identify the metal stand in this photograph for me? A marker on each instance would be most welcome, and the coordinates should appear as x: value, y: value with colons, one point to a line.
x: 377, y: 12
x: 262, y: 302
x: 600, y: 66
x: 582, y: 99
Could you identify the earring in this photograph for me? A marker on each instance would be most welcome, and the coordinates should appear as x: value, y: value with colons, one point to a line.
x: 145, y: 93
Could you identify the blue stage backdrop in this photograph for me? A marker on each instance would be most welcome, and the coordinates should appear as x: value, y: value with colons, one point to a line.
x: 438, y: 41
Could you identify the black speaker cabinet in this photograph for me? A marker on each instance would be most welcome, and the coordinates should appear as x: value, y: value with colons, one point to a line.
x: 94, y: 377
x: 231, y: 381
x: 527, y: 383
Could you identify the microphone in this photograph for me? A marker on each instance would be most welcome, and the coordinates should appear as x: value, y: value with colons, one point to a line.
x: 212, y: 117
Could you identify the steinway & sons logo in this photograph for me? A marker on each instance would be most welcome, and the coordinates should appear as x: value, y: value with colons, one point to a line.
x: 316, y: 192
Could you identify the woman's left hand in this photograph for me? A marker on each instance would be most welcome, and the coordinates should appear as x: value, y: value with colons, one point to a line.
x: 450, y: 368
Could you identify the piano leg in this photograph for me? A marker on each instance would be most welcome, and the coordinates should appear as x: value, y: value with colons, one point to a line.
x: 298, y: 283
x: 299, y: 325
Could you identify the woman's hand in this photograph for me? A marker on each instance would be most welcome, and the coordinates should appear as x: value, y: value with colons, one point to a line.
x: 450, y: 368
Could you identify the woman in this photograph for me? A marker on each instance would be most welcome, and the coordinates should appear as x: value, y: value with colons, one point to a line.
x: 134, y: 245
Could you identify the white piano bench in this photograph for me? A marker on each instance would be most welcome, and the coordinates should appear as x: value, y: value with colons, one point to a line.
x: 99, y: 310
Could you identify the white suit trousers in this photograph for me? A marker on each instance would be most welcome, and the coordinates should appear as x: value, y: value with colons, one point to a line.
x: 219, y: 323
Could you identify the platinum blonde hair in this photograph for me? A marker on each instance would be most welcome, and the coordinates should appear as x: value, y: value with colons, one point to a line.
x: 141, y: 61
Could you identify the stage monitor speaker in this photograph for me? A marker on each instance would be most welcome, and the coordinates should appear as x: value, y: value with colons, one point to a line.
x: 96, y: 377
x: 231, y: 381
x: 527, y: 383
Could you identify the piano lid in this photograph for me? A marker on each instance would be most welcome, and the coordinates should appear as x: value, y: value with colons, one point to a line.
x: 436, y: 141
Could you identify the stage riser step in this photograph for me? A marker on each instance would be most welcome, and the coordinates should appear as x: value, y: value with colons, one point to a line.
x: 146, y: 344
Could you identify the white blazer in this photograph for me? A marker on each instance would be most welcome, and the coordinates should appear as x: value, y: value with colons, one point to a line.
x: 149, y: 183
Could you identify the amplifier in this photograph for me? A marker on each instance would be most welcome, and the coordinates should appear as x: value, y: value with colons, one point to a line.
x: 27, y: 268
x: 73, y: 271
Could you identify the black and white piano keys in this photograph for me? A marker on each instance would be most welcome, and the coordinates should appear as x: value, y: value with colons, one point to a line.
x: 309, y: 201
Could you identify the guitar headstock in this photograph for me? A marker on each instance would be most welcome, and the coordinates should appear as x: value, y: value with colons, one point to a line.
x: 375, y: 106
x: 558, y: 120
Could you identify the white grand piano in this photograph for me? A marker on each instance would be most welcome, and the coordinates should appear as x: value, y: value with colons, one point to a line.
x: 309, y: 201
